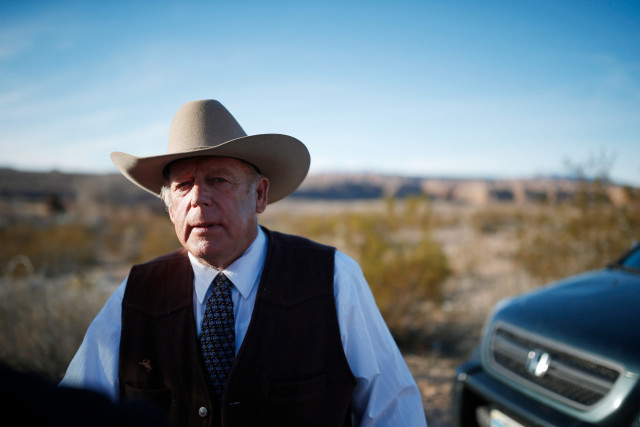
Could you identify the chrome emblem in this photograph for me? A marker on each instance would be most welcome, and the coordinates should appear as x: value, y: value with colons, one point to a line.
x: 538, y: 362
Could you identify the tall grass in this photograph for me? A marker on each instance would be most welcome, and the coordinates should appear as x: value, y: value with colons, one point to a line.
x: 56, y: 275
x: 53, y: 247
x: 43, y: 320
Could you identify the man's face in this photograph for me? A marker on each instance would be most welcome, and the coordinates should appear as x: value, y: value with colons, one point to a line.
x: 214, y: 205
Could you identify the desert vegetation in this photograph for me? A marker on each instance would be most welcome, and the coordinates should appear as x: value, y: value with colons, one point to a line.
x: 435, y: 267
x: 393, y: 244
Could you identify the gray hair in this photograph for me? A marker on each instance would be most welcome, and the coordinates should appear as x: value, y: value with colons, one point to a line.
x: 165, y: 195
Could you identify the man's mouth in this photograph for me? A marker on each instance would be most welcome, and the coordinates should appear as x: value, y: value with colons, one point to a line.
x: 204, y: 226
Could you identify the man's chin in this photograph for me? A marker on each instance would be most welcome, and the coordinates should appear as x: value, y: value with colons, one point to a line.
x: 212, y: 256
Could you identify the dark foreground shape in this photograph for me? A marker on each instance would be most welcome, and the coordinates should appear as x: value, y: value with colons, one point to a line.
x: 28, y: 399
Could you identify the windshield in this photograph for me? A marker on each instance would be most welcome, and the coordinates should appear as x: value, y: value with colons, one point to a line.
x: 632, y: 260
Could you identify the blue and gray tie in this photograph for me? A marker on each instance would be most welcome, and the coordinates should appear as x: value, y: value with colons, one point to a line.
x: 217, y: 337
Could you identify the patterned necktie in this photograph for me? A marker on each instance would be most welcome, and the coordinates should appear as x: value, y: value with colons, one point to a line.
x: 217, y: 338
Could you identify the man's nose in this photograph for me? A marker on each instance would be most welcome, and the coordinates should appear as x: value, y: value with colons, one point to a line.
x: 200, y: 195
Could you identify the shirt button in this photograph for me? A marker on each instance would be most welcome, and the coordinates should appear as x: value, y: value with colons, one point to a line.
x: 202, y: 412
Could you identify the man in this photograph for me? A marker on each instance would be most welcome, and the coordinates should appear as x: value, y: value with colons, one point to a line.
x: 242, y: 326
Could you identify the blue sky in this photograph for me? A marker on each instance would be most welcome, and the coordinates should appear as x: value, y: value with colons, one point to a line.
x: 456, y: 88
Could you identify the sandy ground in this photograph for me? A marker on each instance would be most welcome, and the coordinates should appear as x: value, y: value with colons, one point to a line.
x: 434, y: 376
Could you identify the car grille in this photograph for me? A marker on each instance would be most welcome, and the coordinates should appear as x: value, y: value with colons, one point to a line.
x: 564, y: 374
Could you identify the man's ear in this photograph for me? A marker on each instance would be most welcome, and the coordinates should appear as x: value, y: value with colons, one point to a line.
x: 262, y: 194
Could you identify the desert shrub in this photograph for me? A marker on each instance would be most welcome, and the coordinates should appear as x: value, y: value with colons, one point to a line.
x: 402, y: 263
x: 573, y: 238
x: 555, y: 240
x: 133, y: 240
x: 51, y: 248
x: 584, y: 231
x: 49, y: 288
x: 55, y: 248
x: 495, y: 218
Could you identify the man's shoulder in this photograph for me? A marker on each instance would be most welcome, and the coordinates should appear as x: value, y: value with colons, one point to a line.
x: 295, y: 241
x: 178, y: 255
x: 162, y: 265
x: 157, y: 286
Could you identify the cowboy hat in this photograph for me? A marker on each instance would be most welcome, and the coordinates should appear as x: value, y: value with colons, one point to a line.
x: 206, y: 128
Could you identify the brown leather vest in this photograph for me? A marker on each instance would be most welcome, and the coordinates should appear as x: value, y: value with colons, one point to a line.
x: 290, y: 370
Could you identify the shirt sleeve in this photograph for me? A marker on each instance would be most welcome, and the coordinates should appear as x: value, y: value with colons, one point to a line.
x: 386, y: 393
x: 95, y: 364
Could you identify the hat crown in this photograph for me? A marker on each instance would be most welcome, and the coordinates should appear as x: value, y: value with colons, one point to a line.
x: 202, y: 124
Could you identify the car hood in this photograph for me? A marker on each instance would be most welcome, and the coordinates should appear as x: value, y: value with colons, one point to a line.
x: 596, y: 311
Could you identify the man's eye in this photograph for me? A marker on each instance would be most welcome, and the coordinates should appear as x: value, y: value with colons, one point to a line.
x: 217, y: 180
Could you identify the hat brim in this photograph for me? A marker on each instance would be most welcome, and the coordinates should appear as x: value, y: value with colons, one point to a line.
x: 284, y: 160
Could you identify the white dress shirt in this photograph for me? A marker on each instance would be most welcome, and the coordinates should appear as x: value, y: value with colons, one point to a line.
x: 385, y: 394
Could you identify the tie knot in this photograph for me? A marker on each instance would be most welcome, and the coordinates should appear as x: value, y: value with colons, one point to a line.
x: 221, y: 280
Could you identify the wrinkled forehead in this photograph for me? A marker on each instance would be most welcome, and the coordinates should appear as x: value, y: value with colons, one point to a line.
x: 206, y: 163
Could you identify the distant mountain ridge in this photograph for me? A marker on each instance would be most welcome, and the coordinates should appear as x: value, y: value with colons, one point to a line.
x: 115, y: 189
x: 463, y: 190
x: 33, y: 186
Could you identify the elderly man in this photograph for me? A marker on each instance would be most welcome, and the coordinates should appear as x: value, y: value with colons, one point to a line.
x: 243, y: 326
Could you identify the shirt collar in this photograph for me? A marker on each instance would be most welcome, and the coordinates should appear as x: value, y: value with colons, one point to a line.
x: 243, y: 272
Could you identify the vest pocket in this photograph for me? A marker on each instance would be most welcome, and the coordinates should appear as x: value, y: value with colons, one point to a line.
x: 299, y: 388
x: 159, y: 397
x: 299, y: 402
